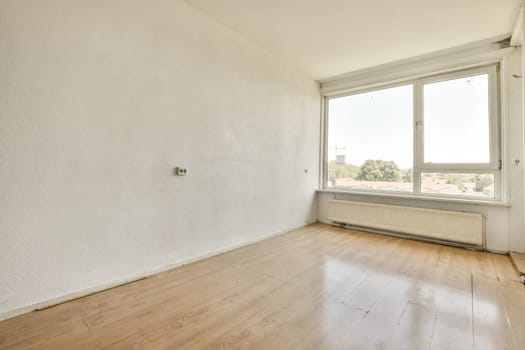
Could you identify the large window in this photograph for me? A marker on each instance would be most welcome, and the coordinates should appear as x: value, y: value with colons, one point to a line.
x: 433, y: 136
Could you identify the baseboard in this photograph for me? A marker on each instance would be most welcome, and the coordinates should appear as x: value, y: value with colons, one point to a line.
x: 115, y: 283
x: 415, y: 238
x: 518, y: 259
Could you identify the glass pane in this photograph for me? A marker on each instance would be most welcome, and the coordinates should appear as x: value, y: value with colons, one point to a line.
x: 478, y: 185
x: 370, y: 140
x: 456, y: 114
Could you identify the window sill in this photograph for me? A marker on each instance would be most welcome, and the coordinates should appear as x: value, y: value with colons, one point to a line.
x: 412, y: 197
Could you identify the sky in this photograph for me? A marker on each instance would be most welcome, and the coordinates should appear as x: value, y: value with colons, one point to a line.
x: 379, y: 124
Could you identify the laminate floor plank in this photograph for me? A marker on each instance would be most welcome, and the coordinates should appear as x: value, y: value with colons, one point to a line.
x: 319, y: 287
x: 454, y: 323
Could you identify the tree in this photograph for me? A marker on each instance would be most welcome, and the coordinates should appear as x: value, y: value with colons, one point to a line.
x: 456, y: 179
x: 408, y: 175
x: 341, y: 171
x: 370, y: 171
x: 482, y: 181
x: 391, y: 172
x: 378, y: 170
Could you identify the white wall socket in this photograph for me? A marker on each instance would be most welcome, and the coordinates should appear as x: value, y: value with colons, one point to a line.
x: 179, y: 171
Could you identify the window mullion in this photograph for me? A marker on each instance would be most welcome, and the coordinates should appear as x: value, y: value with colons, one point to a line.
x: 323, y: 171
x: 418, y: 137
x: 494, y: 108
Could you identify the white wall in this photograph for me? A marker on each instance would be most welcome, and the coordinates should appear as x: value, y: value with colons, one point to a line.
x: 518, y: 238
x: 99, y: 100
x: 504, y: 225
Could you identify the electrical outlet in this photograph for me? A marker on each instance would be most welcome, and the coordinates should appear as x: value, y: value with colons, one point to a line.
x: 179, y: 171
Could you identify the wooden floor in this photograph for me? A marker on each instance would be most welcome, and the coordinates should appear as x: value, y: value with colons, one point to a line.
x: 315, y: 288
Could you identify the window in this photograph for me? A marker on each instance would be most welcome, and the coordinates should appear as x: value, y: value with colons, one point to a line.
x: 433, y: 136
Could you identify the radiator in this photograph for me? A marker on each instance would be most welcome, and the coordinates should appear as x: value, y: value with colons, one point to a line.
x: 443, y: 225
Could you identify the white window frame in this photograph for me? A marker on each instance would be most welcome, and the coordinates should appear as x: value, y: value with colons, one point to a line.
x: 419, y: 166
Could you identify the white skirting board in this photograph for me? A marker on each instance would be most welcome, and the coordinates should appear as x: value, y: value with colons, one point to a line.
x: 99, y: 288
x: 518, y: 259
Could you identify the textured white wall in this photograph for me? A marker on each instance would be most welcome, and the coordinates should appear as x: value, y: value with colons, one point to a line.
x: 99, y: 100
x: 504, y: 225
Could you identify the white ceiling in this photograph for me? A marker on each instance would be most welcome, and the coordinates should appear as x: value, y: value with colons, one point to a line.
x: 331, y: 37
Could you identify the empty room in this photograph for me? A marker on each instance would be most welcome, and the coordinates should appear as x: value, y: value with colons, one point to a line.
x: 262, y: 174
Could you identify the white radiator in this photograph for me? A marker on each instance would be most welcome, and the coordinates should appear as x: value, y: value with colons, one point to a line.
x: 436, y: 224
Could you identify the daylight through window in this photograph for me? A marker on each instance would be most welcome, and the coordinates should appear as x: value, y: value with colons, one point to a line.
x: 434, y: 136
